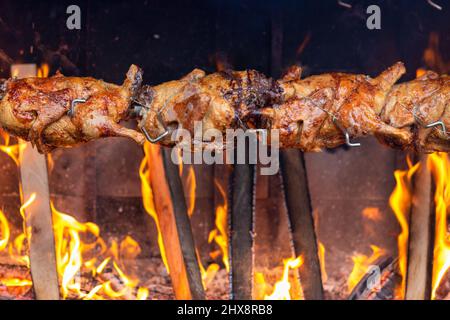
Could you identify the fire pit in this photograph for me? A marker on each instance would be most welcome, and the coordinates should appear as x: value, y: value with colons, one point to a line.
x: 110, y: 219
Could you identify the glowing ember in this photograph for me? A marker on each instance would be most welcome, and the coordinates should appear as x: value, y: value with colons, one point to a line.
x: 362, y: 264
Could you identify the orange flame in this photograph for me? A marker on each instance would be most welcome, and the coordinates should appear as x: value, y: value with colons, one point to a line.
x: 400, y: 202
x: 14, y: 150
x: 321, y: 254
x: 43, y: 71
x: 75, y: 256
x: 440, y: 167
x: 192, y: 185
x: 220, y: 235
x: 282, y: 288
x: 361, y: 265
x: 4, y: 231
x: 147, y: 195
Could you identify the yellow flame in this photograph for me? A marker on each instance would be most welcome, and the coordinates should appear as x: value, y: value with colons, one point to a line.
x: 75, y: 256
x: 362, y: 264
x: 4, y: 231
x: 400, y: 203
x: 323, y: 270
x: 220, y: 235
x: 142, y: 294
x: 192, y: 185
x: 282, y: 287
x: 12, y: 150
x: 43, y: 71
x: 439, y: 165
x: 147, y: 195
x: 420, y: 72
x: 16, y: 282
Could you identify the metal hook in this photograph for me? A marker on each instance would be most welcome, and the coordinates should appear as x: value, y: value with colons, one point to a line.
x: 73, y: 104
x: 430, y: 125
x: 161, y: 121
x: 346, y: 134
x: 348, y: 142
x: 155, y: 140
x: 437, y: 123
x: 344, y: 131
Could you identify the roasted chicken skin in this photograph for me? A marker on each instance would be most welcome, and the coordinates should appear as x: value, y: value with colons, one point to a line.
x: 221, y: 101
x: 39, y: 109
x: 312, y: 113
x: 321, y: 111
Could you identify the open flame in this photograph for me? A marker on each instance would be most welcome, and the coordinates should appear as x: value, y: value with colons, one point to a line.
x: 282, y: 289
x: 323, y: 269
x: 4, y: 231
x: 76, y: 256
x: 17, y: 248
x: 219, y: 235
x: 192, y: 185
x: 400, y: 202
x: 361, y: 265
x: 43, y: 71
x: 439, y: 165
x: 147, y: 195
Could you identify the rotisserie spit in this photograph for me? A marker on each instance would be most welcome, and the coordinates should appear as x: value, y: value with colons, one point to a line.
x: 321, y: 111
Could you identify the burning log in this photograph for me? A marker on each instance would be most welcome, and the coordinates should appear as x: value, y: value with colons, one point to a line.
x: 379, y: 282
x: 175, y: 226
x: 38, y: 219
x: 301, y: 222
x: 34, y: 178
x: 420, y: 253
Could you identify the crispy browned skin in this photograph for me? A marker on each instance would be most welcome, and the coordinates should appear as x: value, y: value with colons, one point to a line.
x: 35, y: 109
x: 311, y: 113
x: 220, y: 101
x: 319, y: 108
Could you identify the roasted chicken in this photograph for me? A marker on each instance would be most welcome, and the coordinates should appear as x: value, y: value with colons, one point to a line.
x: 42, y: 110
x: 317, y: 112
x: 321, y: 111
x: 221, y: 101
